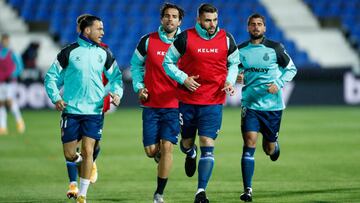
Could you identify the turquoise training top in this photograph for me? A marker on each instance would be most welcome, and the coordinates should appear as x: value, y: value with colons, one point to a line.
x: 78, y: 68
x: 263, y: 64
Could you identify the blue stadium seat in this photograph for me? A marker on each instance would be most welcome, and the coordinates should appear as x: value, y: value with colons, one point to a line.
x: 345, y: 11
x: 126, y: 21
x: 16, y: 3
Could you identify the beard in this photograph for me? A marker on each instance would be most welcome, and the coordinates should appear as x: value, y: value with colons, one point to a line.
x: 255, y: 37
x: 169, y: 29
x: 207, y: 30
x: 211, y: 34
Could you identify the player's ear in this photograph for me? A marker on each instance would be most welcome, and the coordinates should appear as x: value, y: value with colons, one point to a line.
x: 198, y: 19
x: 87, y: 30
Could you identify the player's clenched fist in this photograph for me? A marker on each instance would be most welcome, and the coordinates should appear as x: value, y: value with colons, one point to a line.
x: 115, y: 99
x: 143, y: 94
x: 60, y: 105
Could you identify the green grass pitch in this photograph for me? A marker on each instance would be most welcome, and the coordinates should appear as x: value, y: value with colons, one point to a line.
x: 319, y: 162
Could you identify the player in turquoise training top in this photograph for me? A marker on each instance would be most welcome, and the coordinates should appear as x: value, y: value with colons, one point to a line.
x: 265, y: 68
x: 79, y: 68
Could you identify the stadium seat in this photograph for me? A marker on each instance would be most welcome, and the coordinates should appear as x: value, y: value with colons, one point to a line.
x: 345, y: 11
x: 126, y: 22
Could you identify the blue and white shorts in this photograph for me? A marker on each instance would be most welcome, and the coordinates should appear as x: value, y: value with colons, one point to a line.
x: 206, y: 119
x: 160, y: 123
x: 266, y: 122
x: 74, y: 126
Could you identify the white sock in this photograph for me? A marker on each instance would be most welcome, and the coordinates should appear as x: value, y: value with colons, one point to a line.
x: 199, y: 190
x: 73, y: 182
x: 84, y: 185
x: 3, y: 117
x: 16, y: 111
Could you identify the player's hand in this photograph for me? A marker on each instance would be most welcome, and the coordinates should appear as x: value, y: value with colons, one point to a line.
x: 60, y: 105
x: 191, y: 84
x: 229, y: 89
x: 273, y: 89
x: 143, y: 94
x: 115, y: 99
x: 240, y: 78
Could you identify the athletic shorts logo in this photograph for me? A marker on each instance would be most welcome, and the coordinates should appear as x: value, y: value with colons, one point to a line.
x: 243, y: 111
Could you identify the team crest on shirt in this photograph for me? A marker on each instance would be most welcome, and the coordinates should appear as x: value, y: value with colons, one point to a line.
x: 100, y: 59
x: 266, y: 57
x: 77, y: 58
x: 243, y: 58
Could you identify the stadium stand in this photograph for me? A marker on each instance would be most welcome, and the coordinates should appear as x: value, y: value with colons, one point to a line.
x: 21, y: 37
x: 126, y: 22
x: 344, y: 12
x: 327, y: 46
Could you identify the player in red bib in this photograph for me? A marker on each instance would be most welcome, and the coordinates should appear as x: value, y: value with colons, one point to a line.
x: 157, y: 94
x: 207, y: 70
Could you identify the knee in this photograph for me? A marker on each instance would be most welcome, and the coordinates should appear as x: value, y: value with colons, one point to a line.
x: 250, y: 142
x: 70, y: 156
x: 206, y: 141
x: 87, y: 151
x: 187, y: 143
x: 151, y: 151
x: 166, y: 147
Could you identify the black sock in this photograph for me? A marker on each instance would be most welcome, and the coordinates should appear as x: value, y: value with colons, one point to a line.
x: 161, y: 183
x: 96, y: 152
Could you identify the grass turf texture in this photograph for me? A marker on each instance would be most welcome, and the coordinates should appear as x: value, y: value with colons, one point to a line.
x: 319, y: 161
